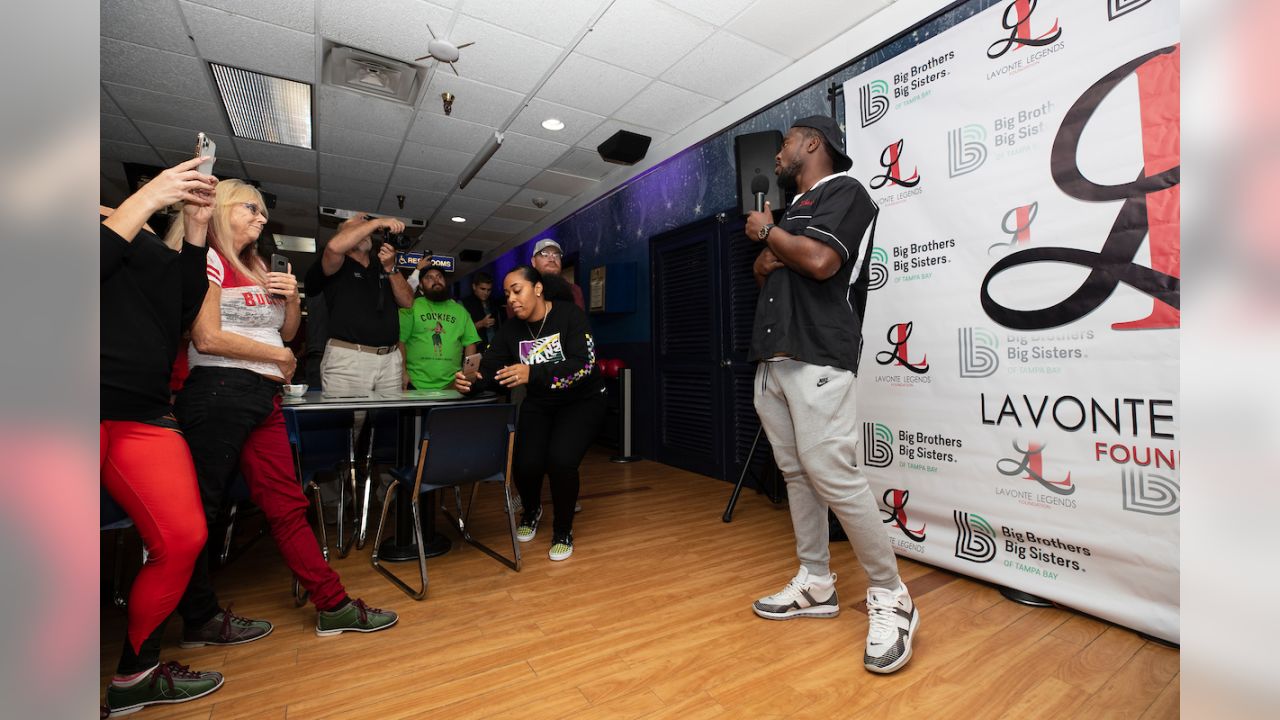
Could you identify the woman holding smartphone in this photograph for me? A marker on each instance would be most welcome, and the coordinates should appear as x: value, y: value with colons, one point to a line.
x: 229, y: 410
x: 548, y: 347
x: 150, y: 293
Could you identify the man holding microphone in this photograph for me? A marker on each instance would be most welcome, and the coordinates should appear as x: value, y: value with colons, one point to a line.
x: 813, y: 276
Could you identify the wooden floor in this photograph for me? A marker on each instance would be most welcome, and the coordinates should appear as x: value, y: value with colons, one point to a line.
x: 651, y: 619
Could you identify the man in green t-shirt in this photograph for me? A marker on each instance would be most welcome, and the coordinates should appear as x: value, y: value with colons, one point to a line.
x: 436, y: 333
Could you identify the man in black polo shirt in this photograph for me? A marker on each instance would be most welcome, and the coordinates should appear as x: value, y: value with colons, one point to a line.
x: 364, y: 295
x: 813, y: 273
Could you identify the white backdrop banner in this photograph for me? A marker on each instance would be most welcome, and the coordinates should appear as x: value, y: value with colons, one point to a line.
x: 1020, y: 374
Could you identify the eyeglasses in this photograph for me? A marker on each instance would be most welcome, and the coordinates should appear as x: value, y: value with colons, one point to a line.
x: 549, y: 253
x: 254, y: 209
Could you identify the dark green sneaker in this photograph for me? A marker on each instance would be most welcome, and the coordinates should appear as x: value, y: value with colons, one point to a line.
x: 355, y: 616
x: 167, y: 684
x: 225, y: 628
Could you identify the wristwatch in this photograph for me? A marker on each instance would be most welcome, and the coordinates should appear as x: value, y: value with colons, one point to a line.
x: 764, y: 232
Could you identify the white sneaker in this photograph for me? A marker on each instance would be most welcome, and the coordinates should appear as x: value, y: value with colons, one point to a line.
x: 892, y: 619
x: 805, y: 596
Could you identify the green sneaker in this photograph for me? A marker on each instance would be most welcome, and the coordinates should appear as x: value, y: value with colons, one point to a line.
x: 561, y: 547
x: 528, y: 525
x: 355, y: 616
x: 225, y: 628
x: 166, y: 684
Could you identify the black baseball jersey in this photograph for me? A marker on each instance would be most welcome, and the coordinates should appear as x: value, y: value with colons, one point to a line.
x: 820, y: 321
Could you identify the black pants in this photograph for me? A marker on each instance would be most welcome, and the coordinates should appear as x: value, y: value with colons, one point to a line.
x: 551, y: 439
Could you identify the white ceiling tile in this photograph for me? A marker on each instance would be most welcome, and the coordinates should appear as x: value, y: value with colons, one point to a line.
x: 591, y: 85
x: 293, y: 194
x: 716, y: 12
x: 485, y: 239
x: 155, y: 23
x: 666, y: 107
x: 114, y: 127
x: 611, y: 126
x: 394, y: 28
x: 562, y: 184
x: 472, y: 209
x: 768, y: 20
x: 499, y: 57
x: 443, y: 131
x: 139, y: 104
x: 520, y: 212
x: 525, y: 197
x: 364, y: 113
x: 295, y: 14
x: 348, y: 167
x: 488, y: 190
x: 348, y: 201
x: 527, y: 150
x: 144, y: 67
x: 584, y: 163
x: 251, y: 44
x: 404, y: 179
x: 576, y: 122
x: 504, y: 225
x: 274, y: 174
x: 351, y: 186
x: 645, y: 36
x: 354, y: 143
x: 107, y: 105
x: 715, y: 68
x: 427, y: 157
x: 129, y: 152
x: 474, y: 102
x: 419, y: 205
x: 287, y: 157
x: 507, y: 172
x: 552, y: 21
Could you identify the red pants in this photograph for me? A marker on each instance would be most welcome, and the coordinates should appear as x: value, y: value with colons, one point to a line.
x: 232, y: 420
x: 147, y: 470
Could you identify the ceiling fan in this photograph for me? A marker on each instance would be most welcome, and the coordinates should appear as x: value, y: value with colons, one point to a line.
x: 443, y: 50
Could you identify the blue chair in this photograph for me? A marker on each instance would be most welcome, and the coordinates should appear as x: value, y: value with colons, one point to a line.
x: 384, y: 436
x: 461, y: 445
x: 323, y: 441
x: 112, y: 517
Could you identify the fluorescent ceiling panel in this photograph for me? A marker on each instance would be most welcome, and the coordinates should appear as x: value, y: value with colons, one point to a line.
x: 262, y: 107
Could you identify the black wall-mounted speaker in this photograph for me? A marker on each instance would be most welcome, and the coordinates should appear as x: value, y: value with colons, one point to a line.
x: 624, y: 148
x: 470, y: 255
x: 755, y: 153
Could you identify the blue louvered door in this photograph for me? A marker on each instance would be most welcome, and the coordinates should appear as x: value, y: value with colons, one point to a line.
x: 704, y: 301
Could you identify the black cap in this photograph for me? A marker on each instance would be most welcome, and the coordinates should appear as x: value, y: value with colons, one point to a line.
x: 835, y: 139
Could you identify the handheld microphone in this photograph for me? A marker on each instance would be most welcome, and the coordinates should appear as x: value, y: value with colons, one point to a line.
x: 759, y: 187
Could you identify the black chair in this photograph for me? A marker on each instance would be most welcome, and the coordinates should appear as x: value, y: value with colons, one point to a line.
x: 384, y: 436
x: 112, y: 517
x: 322, y: 442
x: 461, y: 445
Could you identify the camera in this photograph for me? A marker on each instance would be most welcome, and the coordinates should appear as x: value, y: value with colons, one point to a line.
x: 399, y: 241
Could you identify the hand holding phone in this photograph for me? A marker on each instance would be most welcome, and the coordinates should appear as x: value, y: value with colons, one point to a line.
x: 471, y: 366
x: 279, y: 264
x: 205, y: 147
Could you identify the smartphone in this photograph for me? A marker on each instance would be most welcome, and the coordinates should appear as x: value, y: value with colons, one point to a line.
x: 471, y: 366
x: 280, y: 264
x: 205, y: 147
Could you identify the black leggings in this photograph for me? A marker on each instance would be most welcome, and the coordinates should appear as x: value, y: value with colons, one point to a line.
x: 551, y: 439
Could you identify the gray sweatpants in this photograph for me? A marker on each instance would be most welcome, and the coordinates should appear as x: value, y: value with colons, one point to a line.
x: 809, y: 413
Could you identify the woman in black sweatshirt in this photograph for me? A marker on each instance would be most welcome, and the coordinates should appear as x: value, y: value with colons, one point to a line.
x: 547, y: 346
x: 150, y: 292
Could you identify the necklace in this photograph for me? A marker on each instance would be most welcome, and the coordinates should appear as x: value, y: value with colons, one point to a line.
x: 545, y: 315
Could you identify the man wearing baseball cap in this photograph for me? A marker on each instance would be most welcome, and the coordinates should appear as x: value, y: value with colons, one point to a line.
x: 546, y: 259
x: 813, y: 273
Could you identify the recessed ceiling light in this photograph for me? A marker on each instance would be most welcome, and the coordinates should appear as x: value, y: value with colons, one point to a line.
x: 458, y: 218
x: 262, y: 107
x: 552, y: 124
